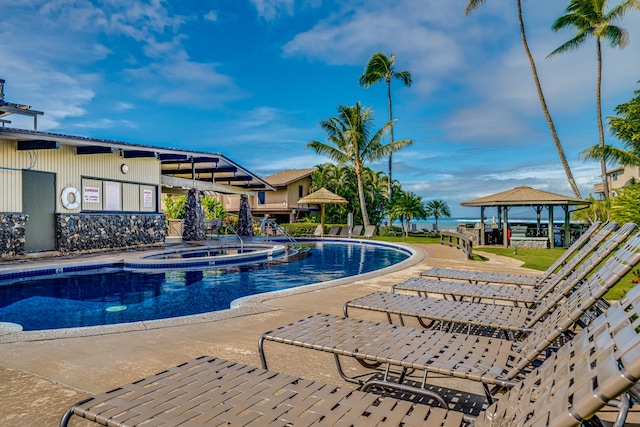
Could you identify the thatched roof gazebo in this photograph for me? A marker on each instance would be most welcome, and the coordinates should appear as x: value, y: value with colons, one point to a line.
x: 322, y: 197
x: 526, y: 196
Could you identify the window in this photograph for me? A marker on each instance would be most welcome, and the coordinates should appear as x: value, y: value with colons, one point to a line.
x: 261, y: 197
x: 614, y: 176
x: 300, y: 191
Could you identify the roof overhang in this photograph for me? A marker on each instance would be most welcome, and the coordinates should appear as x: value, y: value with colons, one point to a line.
x: 191, y: 166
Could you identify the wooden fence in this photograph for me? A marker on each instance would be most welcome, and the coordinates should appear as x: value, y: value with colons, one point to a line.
x: 458, y: 240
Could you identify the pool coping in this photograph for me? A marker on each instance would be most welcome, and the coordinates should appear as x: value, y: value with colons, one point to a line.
x: 252, y: 304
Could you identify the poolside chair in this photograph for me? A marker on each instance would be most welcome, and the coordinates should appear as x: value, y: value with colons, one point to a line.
x: 527, y: 296
x: 369, y: 231
x: 501, y: 278
x: 333, y: 231
x: 357, y: 230
x: 345, y: 231
x: 317, y: 232
x: 496, y: 363
x: 507, y: 318
x: 571, y: 386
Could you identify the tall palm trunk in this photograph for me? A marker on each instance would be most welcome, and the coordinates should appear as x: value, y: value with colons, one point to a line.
x: 363, y: 203
x: 389, y: 179
x: 603, y: 163
x: 545, y: 109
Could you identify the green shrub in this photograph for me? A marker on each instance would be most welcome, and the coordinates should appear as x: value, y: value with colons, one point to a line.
x: 298, y: 229
x: 175, y: 208
x: 213, y: 208
x: 389, y: 230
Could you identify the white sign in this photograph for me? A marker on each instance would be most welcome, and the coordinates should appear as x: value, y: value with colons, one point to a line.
x: 91, y: 195
x: 112, y: 196
x: 147, y: 198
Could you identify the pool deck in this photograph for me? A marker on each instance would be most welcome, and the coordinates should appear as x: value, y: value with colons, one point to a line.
x: 40, y: 378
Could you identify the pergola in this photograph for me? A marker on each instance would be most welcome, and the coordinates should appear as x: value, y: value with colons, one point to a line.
x: 521, y: 197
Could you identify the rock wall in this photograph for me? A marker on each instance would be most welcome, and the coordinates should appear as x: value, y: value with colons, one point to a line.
x: 12, y: 232
x: 245, y: 222
x: 472, y: 233
x: 193, y: 218
x: 94, y: 232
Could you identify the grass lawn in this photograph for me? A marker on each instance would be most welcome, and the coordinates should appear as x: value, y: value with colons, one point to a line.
x: 538, y: 259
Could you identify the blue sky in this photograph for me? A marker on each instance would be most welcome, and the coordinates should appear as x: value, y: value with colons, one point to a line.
x: 252, y: 78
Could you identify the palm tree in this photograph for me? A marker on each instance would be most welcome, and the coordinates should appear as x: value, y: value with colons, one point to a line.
x: 589, y: 19
x: 626, y: 127
x: 438, y: 209
x: 381, y: 67
x: 408, y: 205
x: 351, y: 140
x: 472, y: 5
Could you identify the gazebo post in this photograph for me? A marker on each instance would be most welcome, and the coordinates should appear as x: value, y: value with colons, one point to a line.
x: 567, y: 226
x: 482, y: 242
x: 505, y: 228
x: 552, y: 241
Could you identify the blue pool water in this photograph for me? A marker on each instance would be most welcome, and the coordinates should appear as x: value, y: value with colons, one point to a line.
x: 115, y: 295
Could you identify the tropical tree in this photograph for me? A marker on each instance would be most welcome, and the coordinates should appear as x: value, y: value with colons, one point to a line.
x: 624, y: 207
x: 378, y: 68
x: 589, y: 18
x: 408, y: 205
x: 626, y: 127
x: 598, y: 210
x: 474, y: 4
x: 438, y: 209
x: 351, y: 140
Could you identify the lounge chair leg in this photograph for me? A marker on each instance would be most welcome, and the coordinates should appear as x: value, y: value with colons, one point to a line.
x: 401, y: 387
x: 67, y: 415
x: 623, y: 406
x: 426, y: 325
x: 263, y: 360
x: 343, y: 375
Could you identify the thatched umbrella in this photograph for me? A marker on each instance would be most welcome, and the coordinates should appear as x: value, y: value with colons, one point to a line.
x: 322, y: 197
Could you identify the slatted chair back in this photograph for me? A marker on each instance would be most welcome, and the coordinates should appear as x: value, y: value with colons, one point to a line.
x: 333, y: 231
x: 357, y: 230
x: 345, y: 231
x: 600, y: 363
x: 561, y: 290
x: 571, y: 264
x: 562, y: 319
x: 578, y: 244
x: 369, y: 231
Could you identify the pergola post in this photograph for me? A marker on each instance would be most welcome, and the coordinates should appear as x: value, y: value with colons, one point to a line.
x: 482, y: 242
x: 567, y: 226
x: 505, y: 228
x: 552, y: 241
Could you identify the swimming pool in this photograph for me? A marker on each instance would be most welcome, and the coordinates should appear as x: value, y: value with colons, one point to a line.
x: 114, y: 295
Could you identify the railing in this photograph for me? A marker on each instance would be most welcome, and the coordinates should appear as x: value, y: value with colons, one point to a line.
x: 458, y: 240
x: 280, y: 230
x: 227, y: 227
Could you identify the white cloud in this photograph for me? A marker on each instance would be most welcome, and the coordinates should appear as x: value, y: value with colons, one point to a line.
x: 211, y: 16
x: 271, y: 9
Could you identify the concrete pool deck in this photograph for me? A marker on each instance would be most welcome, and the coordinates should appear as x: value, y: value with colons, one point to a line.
x: 41, y: 378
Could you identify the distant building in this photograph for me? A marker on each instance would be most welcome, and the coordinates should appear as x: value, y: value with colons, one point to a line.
x: 618, y: 178
x: 282, y: 204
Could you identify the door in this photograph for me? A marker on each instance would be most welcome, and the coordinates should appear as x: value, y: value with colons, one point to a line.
x: 39, y: 202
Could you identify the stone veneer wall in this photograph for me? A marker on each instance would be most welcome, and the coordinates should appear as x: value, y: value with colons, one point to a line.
x: 472, y: 233
x: 193, y: 218
x: 94, y: 232
x: 12, y: 231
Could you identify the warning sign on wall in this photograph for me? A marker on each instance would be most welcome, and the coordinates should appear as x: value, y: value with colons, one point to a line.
x: 91, y: 195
